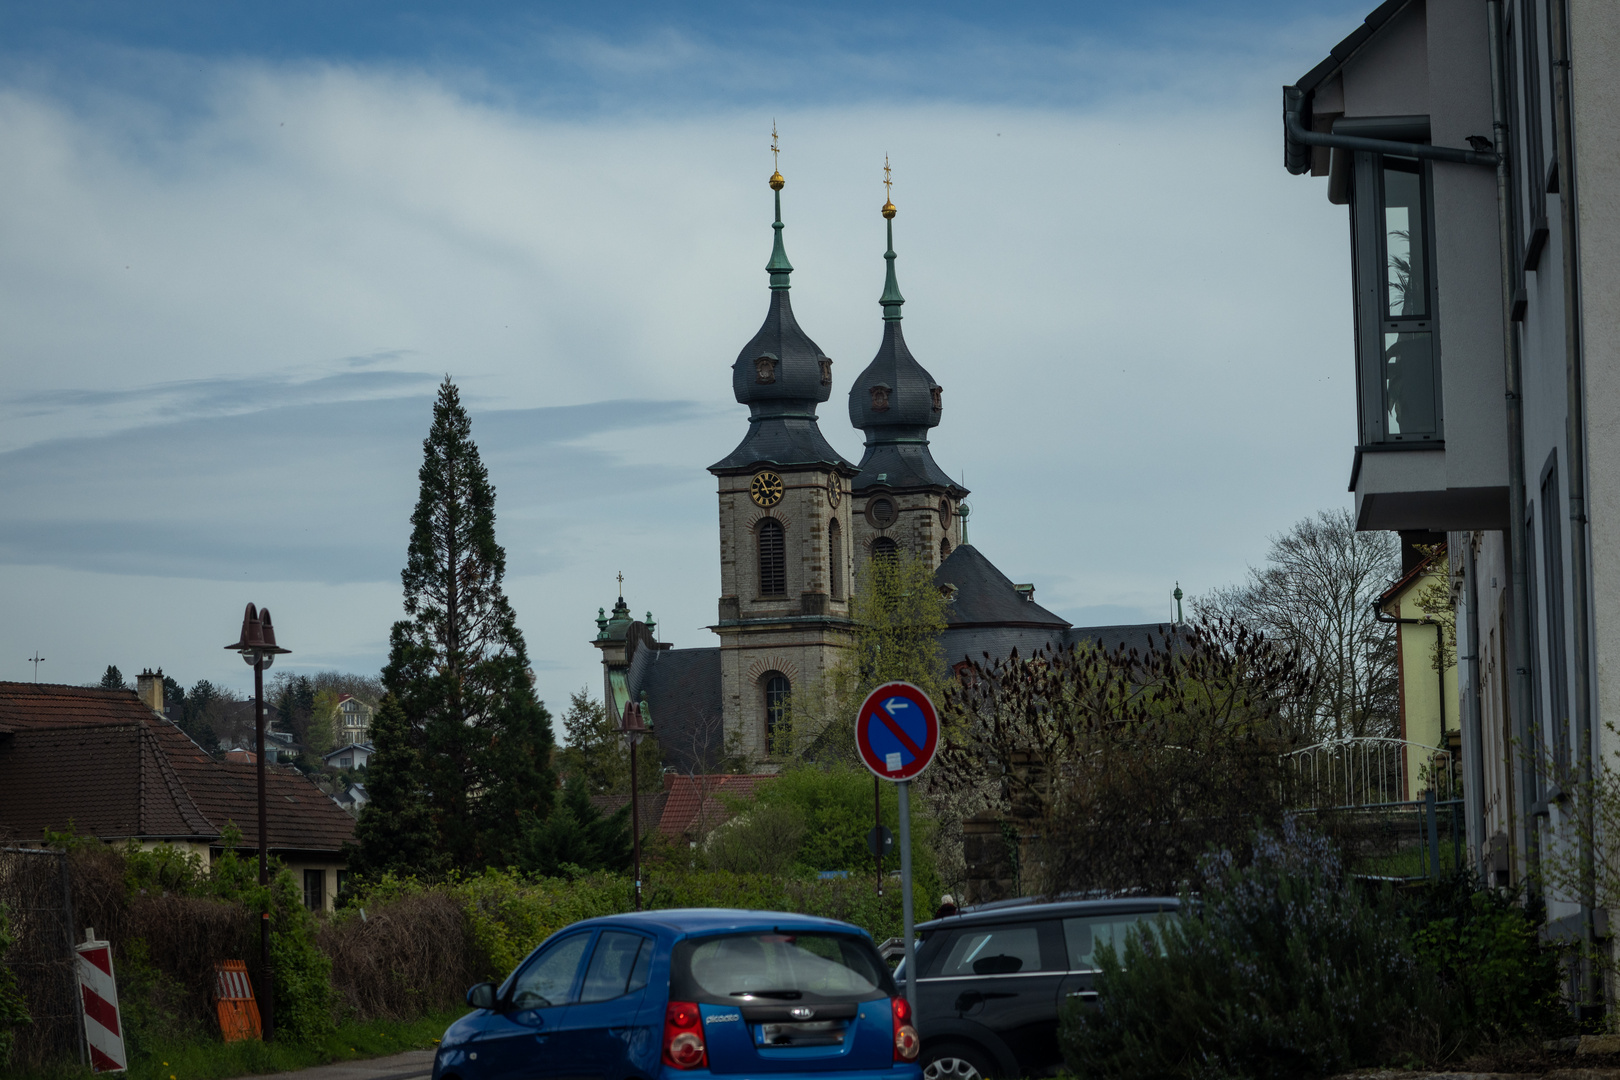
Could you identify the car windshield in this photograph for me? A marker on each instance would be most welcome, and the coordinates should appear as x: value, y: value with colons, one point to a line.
x: 779, y: 966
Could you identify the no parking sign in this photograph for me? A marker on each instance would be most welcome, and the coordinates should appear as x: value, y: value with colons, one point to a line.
x: 897, y: 731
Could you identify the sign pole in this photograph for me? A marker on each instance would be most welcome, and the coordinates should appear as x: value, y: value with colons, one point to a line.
x: 907, y: 915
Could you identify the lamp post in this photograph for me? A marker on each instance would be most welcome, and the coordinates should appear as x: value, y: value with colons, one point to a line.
x: 257, y: 647
x: 634, y: 730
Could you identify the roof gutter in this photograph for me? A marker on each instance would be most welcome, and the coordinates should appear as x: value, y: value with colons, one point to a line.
x: 1296, y: 133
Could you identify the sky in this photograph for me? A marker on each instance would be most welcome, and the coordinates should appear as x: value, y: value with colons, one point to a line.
x: 241, y: 244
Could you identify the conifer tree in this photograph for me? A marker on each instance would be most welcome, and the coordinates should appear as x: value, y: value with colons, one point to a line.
x: 395, y: 832
x: 458, y: 666
x: 112, y: 678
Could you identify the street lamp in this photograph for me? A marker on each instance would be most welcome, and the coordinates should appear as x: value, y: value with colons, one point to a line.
x: 257, y: 647
x: 634, y: 730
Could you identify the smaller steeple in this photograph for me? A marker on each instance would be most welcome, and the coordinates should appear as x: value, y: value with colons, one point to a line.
x: 891, y: 299
x: 779, y: 267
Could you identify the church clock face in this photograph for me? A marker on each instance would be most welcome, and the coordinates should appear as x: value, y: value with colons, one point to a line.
x: 833, y: 492
x: 766, y: 489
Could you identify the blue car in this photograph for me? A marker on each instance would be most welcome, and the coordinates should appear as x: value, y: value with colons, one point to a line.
x: 689, y: 993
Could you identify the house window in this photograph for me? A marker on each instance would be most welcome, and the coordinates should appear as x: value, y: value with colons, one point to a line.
x: 343, y: 883
x: 315, y: 889
x: 835, y: 560
x: 777, y: 689
x: 884, y: 547
x: 1398, y: 346
x: 346, y: 761
x: 772, y: 558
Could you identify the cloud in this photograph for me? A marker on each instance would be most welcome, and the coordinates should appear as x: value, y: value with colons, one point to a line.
x: 219, y: 330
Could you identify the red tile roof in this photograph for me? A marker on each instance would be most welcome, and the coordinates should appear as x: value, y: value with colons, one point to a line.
x: 694, y: 803
x: 117, y: 769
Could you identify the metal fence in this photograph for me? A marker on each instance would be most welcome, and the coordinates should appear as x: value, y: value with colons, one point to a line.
x: 36, y: 891
x: 1371, y: 771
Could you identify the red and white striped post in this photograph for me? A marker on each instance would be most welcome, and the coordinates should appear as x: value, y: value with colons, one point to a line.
x: 103, y: 1030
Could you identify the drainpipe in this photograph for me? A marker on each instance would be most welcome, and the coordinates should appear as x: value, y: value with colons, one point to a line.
x: 1525, y: 734
x: 1293, y: 104
x: 1474, y: 791
x: 1575, y: 390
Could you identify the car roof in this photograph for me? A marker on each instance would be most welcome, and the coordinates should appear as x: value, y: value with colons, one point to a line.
x: 1057, y: 909
x: 712, y: 920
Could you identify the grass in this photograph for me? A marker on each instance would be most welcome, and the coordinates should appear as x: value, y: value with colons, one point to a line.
x: 213, y: 1060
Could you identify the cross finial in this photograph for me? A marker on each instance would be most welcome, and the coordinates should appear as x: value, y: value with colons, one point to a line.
x: 775, y: 164
x: 621, y: 584
x: 36, y: 660
x: 886, y: 180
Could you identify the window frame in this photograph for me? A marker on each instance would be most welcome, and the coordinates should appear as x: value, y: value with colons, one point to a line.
x: 1370, y: 268
x: 775, y: 528
x: 1554, y: 592
x: 775, y: 704
x: 835, y: 560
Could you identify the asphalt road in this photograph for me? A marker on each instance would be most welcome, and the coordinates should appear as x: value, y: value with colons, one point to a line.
x: 411, y: 1065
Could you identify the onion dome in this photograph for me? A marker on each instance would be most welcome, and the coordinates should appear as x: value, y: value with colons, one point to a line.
x: 895, y: 401
x: 781, y: 375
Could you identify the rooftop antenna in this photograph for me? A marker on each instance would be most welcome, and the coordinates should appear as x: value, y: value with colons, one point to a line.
x: 36, y: 660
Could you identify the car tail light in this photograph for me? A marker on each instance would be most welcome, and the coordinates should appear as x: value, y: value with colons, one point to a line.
x: 906, y: 1043
x: 683, y: 1036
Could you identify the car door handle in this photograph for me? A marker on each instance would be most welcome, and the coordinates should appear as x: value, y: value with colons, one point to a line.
x: 1083, y: 993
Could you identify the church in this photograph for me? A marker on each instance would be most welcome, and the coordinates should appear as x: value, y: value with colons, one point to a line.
x: 796, y: 518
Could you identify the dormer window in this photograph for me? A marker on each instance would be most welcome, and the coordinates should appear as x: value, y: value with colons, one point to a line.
x: 1397, y: 334
x: 765, y: 369
x: 880, y: 398
x: 934, y: 393
x: 826, y: 372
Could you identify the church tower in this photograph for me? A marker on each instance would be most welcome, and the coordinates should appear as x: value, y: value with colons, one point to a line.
x: 903, y: 500
x: 785, y: 554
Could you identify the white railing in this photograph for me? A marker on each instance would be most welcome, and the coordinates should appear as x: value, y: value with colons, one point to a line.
x: 1372, y: 771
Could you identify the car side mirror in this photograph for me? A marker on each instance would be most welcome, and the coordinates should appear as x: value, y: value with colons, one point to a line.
x: 482, y: 996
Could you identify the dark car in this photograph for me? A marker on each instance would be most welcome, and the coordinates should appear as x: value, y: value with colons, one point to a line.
x: 688, y: 993
x: 993, y: 979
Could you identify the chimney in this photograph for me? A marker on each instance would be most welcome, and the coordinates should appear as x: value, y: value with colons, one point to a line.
x: 149, y: 688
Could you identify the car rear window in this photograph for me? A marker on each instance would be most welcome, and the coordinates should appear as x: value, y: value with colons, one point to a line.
x: 1086, y: 937
x: 778, y: 966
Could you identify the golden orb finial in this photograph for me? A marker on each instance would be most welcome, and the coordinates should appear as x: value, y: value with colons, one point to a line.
x: 888, y: 203
x: 777, y: 183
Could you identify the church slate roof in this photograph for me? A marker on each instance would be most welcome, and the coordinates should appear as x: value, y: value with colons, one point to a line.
x: 984, y: 596
x: 683, y: 695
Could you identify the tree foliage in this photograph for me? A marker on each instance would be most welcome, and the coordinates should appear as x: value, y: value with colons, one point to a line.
x: 13, y: 1008
x: 898, y: 613
x: 113, y: 679
x: 1315, y: 595
x: 1119, y: 768
x: 395, y: 833
x: 576, y: 838
x: 597, y: 753
x: 457, y: 663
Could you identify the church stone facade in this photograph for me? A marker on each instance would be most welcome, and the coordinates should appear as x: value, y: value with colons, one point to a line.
x: 796, y: 518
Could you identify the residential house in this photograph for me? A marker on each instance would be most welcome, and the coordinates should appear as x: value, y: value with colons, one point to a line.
x: 1419, y: 604
x: 1473, y: 144
x: 354, y: 720
x: 352, y: 756
x: 108, y: 764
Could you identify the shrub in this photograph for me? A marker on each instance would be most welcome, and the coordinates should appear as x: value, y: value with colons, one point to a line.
x: 13, y: 1009
x: 1283, y: 970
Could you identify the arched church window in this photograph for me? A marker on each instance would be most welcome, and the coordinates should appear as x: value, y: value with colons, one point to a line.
x: 777, y: 689
x: 884, y: 547
x: 944, y: 549
x: 835, y: 559
x: 772, y: 558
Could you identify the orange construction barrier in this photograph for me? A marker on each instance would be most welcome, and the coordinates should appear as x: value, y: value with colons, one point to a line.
x: 238, y: 1012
